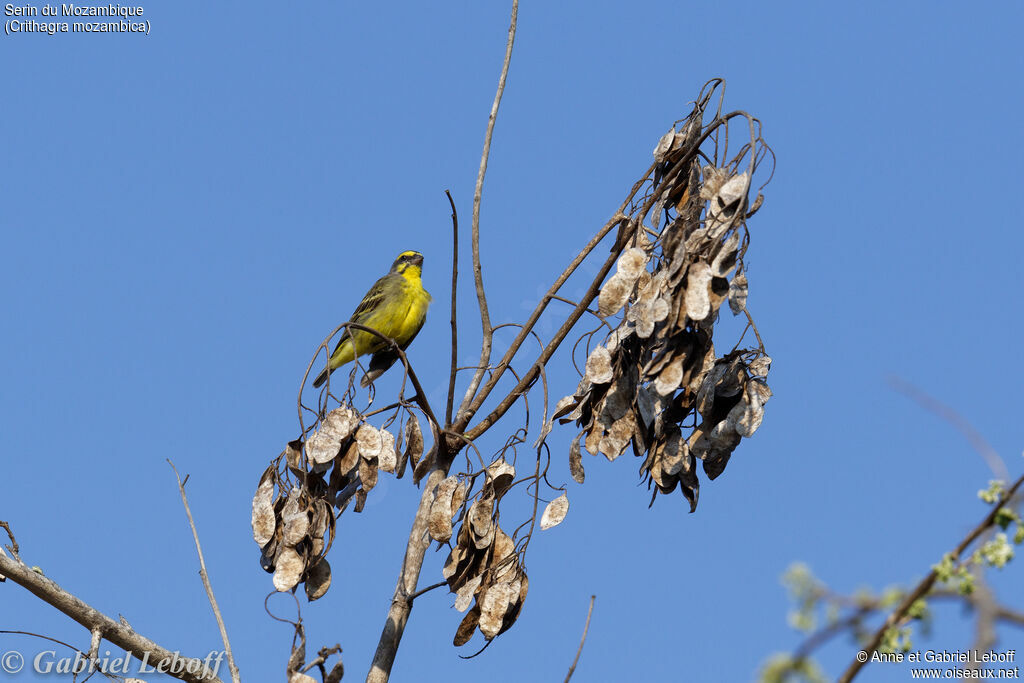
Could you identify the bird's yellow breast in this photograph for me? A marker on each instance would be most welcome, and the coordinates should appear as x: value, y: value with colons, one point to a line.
x: 419, y: 300
x: 404, y: 309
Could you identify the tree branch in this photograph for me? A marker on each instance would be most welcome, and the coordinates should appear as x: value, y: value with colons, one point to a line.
x: 586, y: 627
x: 926, y: 585
x: 980, y: 444
x: 401, y: 603
x: 455, y: 332
x: 115, y: 632
x: 531, y: 375
x: 485, y: 319
x: 206, y: 581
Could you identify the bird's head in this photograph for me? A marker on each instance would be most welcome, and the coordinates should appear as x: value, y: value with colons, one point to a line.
x: 408, y: 260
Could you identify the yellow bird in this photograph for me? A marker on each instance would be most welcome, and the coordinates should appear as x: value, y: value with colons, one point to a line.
x: 396, y: 306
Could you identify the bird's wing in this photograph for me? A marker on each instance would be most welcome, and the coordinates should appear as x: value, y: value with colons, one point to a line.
x: 372, y: 299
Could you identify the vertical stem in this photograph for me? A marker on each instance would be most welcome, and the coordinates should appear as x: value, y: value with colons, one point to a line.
x: 455, y: 329
x: 401, y: 604
x: 485, y: 318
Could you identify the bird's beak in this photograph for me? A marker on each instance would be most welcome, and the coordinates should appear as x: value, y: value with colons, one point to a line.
x: 417, y: 260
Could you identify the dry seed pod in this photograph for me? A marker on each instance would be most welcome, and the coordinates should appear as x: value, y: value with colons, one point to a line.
x: 670, y: 377
x: 576, y: 462
x: 439, y: 519
x: 593, y: 441
x: 504, y: 561
x: 563, y: 407
x: 459, y: 497
x: 467, y: 626
x: 464, y: 597
x: 369, y: 441
x: 631, y: 263
x: 727, y: 202
x: 555, y: 512
x: 293, y: 456
x: 413, y: 446
x: 725, y: 259
x: 367, y: 475
x: 599, y: 366
x: 661, y: 150
x: 349, y: 459
x: 613, y: 295
x: 455, y: 557
x: 698, y: 285
x: 658, y: 370
x: 289, y: 566
x: 500, y: 475
x: 759, y: 367
x: 480, y: 523
x: 738, y: 290
x: 386, y: 460
x: 294, y: 518
x: 336, y: 426
x: 263, y: 519
x: 747, y: 415
x: 494, y: 603
x: 318, y: 580
x: 617, y: 438
x: 650, y: 405
x: 675, y: 455
x: 715, y: 462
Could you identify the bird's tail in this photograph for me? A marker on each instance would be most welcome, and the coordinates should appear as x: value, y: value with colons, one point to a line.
x: 321, y: 378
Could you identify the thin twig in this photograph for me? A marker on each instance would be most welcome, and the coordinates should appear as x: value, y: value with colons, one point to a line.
x: 428, y: 588
x: 986, y: 615
x: 13, y: 547
x: 819, y: 638
x: 67, y: 645
x: 981, y: 600
x: 926, y: 585
x: 485, y: 318
x: 981, y: 445
x: 206, y: 580
x: 455, y: 331
x: 466, y: 413
x: 531, y: 375
x: 114, y: 632
x: 586, y: 627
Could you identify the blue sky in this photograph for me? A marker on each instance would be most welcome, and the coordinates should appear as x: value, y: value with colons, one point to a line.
x: 186, y: 214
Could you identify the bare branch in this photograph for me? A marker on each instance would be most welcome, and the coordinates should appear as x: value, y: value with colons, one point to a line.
x: 401, y: 603
x: 531, y: 375
x: 455, y: 331
x: 206, y: 583
x: 85, y: 655
x: 419, y: 541
x: 427, y: 590
x: 1013, y: 616
x: 926, y: 585
x: 980, y: 444
x: 485, y: 319
x: 987, y: 613
x: 10, y: 534
x: 586, y: 627
x: 466, y: 415
x: 115, y: 632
